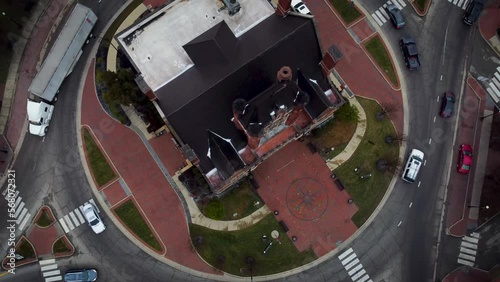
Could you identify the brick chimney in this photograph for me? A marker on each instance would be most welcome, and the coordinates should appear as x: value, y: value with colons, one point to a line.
x: 239, y: 106
x: 283, y: 7
x: 327, y: 64
x: 284, y: 74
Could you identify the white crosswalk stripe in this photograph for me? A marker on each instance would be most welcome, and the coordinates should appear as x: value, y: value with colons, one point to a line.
x: 468, y: 247
x: 494, y: 93
x: 460, y: 3
x: 50, y: 270
x: 353, y: 266
x: 75, y: 218
x: 380, y: 15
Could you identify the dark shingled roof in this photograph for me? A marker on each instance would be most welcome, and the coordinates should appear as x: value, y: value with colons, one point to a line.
x: 223, y: 155
x: 201, y: 98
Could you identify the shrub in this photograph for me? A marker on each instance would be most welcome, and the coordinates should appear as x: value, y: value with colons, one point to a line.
x: 214, y: 210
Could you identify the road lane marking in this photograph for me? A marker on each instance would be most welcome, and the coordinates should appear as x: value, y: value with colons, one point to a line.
x: 425, y: 162
x: 434, y: 118
x: 420, y: 182
x: 430, y: 141
x: 411, y: 204
x: 399, y: 224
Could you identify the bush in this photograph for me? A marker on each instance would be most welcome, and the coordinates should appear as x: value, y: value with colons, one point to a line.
x: 214, y: 210
x: 347, y: 113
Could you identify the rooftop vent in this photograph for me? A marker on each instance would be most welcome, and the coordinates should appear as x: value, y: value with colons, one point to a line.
x: 233, y: 6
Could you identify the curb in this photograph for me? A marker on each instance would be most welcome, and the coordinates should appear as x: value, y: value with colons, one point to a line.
x: 417, y: 10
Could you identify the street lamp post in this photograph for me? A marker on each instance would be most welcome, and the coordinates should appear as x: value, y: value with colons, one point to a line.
x: 483, y: 117
x: 479, y: 207
x: 12, y: 20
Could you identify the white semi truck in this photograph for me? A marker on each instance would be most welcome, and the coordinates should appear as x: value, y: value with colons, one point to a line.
x: 59, y: 63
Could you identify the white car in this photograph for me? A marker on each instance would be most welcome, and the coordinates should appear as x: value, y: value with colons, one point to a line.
x: 92, y: 217
x: 299, y: 7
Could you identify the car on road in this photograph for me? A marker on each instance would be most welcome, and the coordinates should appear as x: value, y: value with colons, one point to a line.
x: 412, y: 166
x: 410, y: 52
x: 395, y: 15
x: 80, y: 275
x: 473, y: 11
x: 447, y: 104
x: 464, y: 161
x: 299, y: 7
x: 92, y: 217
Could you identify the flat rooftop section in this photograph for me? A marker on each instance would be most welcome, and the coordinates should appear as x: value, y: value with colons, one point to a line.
x: 155, y: 44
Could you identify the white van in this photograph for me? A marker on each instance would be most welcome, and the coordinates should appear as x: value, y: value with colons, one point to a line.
x: 39, y: 115
x: 413, y: 166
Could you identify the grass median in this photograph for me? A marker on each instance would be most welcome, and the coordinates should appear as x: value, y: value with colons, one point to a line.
x: 132, y: 218
x: 421, y: 4
x: 229, y: 250
x: 378, y: 52
x: 100, y: 168
x: 346, y: 9
x: 240, y: 202
x: 368, y: 192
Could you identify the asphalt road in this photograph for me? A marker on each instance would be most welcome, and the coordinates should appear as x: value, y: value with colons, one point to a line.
x: 399, y: 245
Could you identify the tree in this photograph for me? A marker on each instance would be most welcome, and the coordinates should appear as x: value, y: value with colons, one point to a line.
x: 398, y: 137
x: 122, y: 87
x: 386, y: 109
x: 388, y: 163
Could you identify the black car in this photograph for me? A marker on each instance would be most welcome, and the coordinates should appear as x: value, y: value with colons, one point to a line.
x: 410, y: 52
x: 447, y: 104
x: 395, y: 15
x: 473, y: 11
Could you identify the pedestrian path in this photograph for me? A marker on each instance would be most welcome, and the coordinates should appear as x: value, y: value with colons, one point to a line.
x: 468, y: 249
x: 381, y: 16
x: 460, y: 3
x: 353, y: 266
x: 50, y: 270
x: 75, y: 218
x: 494, y: 86
x: 21, y: 214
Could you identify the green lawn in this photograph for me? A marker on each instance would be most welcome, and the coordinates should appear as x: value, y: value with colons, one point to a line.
x: 25, y: 249
x: 129, y: 215
x: 346, y: 9
x: 228, y: 250
x: 368, y: 192
x: 240, y: 200
x: 60, y: 247
x: 421, y: 4
x: 377, y: 50
x: 336, y: 133
x: 101, y: 169
x: 44, y: 220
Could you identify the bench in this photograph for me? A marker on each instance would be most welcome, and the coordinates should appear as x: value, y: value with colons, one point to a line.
x: 283, y: 225
x: 339, y: 184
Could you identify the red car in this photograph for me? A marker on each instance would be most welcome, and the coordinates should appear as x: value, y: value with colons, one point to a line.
x: 464, y: 158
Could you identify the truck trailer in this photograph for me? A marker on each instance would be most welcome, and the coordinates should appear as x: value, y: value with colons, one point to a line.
x: 59, y: 63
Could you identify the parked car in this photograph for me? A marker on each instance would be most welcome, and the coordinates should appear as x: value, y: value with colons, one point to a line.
x: 395, y: 15
x: 447, y: 104
x: 299, y: 7
x: 412, y: 166
x: 473, y: 11
x: 92, y: 217
x: 464, y: 161
x: 410, y: 52
x: 80, y: 275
